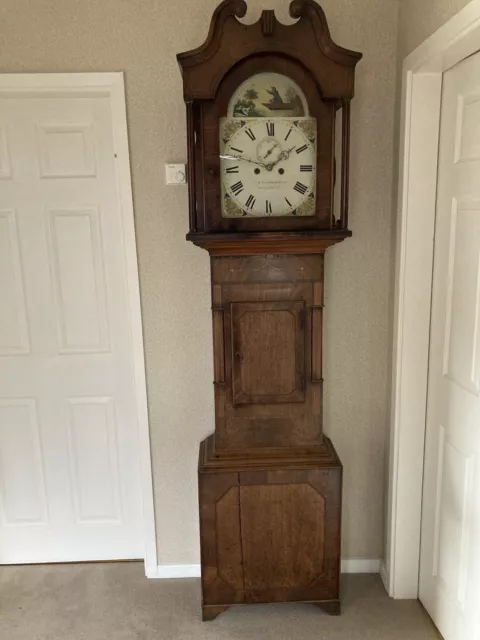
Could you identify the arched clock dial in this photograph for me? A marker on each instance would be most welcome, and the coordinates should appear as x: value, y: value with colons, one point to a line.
x: 268, y: 167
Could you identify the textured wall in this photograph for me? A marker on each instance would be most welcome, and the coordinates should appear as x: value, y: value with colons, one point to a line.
x: 141, y: 37
x: 420, y: 18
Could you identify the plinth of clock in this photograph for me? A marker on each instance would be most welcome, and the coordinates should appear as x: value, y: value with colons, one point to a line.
x: 270, y: 530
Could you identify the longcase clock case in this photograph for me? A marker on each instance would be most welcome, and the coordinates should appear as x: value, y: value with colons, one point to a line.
x: 270, y: 481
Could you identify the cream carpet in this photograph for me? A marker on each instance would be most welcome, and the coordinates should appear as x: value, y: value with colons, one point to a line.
x: 115, y: 601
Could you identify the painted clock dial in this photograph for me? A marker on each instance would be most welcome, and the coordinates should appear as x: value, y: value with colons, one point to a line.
x: 268, y: 166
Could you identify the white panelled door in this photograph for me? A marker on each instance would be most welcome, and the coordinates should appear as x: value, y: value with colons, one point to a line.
x: 450, y: 553
x: 69, y: 471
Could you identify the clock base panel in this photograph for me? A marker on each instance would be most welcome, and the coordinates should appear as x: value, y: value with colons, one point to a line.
x: 270, y: 530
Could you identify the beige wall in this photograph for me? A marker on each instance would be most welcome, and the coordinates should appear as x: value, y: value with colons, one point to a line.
x: 141, y: 37
x: 420, y: 18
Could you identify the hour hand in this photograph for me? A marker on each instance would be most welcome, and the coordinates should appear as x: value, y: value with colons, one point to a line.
x: 284, y: 155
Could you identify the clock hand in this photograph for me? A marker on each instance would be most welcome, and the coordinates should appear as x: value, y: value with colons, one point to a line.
x: 271, y: 150
x: 228, y: 157
x: 283, y: 156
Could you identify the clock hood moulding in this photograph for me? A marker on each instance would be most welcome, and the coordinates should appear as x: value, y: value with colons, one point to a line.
x: 308, y: 41
x: 233, y: 53
x: 241, y: 244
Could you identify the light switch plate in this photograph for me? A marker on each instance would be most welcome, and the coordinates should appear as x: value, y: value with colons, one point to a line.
x: 175, y: 174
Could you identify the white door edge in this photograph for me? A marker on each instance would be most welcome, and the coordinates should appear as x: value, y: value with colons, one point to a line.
x: 420, y: 110
x: 112, y: 84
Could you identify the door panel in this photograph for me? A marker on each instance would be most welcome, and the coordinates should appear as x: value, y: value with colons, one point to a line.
x: 463, y: 296
x: 5, y: 164
x: 70, y: 486
x: 93, y: 459
x: 66, y: 150
x: 229, y: 542
x: 283, y: 530
x: 270, y: 535
x: 76, y: 265
x: 13, y: 319
x: 452, y: 526
x: 268, y: 337
x: 450, y: 554
x: 22, y: 483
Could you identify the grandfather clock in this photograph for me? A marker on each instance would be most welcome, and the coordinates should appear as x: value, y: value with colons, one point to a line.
x: 264, y: 104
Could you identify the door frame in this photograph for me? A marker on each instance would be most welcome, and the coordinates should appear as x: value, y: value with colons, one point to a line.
x: 422, y: 78
x: 112, y: 84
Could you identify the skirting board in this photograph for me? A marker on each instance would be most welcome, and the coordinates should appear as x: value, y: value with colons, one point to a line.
x: 172, y: 571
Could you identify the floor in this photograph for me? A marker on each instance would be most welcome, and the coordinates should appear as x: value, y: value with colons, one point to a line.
x: 116, y: 601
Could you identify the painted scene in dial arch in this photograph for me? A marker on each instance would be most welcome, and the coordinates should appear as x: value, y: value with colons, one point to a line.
x: 267, y: 95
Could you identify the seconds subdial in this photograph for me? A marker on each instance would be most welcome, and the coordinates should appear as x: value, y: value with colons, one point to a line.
x: 269, y: 150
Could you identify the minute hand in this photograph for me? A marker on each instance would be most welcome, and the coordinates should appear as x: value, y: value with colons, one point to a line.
x: 228, y: 157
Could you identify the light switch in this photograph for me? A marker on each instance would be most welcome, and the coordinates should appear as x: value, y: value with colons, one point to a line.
x: 176, y: 173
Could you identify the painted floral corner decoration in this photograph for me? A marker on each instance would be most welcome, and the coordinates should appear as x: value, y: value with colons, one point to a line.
x: 229, y: 127
x: 307, y: 208
x: 231, y: 208
x: 309, y: 128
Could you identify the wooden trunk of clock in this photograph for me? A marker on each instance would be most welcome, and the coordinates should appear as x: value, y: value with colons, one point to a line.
x: 267, y: 332
x: 270, y: 482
